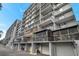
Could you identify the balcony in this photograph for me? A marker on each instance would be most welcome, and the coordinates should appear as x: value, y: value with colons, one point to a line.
x: 43, y: 18
x: 66, y: 17
x: 34, y: 14
x: 28, y: 34
x: 46, y: 11
x: 59, y: 6
x: 17, y: 40
x: 36, y: 22
x: 41, y: 39
x: 46, y: 8
x: 46, y: 22
x: 42, y: 4
x: 21, y: 33
x: 45, y: 5
x: 62, y: 10
x: 26, y: 39
x: 43, y: 35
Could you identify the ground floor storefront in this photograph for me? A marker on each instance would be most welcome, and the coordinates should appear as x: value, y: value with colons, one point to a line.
x: 53, y: 48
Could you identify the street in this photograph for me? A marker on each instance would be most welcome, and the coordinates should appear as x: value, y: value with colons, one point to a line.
x: 5, y: 51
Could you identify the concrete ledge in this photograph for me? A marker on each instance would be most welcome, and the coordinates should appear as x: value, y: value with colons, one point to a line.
x: 59, y: 41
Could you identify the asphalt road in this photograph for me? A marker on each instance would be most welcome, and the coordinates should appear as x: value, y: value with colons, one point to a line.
x: 5, y: 51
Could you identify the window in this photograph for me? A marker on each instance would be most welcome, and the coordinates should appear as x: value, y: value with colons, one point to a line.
x: 73, y: 30
x: 64, y: 31
x: 65, y: 37
x: 56, y: 33
x: 41, y: 36
x: 74, y: 37
x: 57, y: 38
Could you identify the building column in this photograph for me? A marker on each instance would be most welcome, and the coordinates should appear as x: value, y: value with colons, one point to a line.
x: 50, y: 48
x: 22, y: 38
x: 25, y: 47
x: 12, y: 46
x: 18, y: 46
x: 33, y: 49
x: 76, y: 47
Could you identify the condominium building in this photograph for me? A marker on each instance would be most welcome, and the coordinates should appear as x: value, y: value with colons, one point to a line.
x: 50, y: 29
x: 11, y: 34
x: 48, y: 16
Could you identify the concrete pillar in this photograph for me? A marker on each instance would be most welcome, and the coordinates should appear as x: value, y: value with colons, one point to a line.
x: 12, y: 47
x: 22, y: 38
x: 33, y: 49
x: 76, y: 47
x: 50, y: 48
x: 25, y: 47
x: 18, y: 46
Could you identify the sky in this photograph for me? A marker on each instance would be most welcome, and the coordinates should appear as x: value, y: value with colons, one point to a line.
x: 75, y: 7
x: 12, y: 11
x: 9, y: 13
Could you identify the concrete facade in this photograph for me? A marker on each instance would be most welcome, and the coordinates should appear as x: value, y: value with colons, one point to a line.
x: 49, y: 29
x: 11, y: 34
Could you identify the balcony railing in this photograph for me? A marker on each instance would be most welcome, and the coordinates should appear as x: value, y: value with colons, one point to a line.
x: 45, y: 23
x: 40, y: 39
x: 46, y: 16
x: 46, y: 11
x: 73, y: 36
x: 44, y: 6
x: 62, y: 10
x: 58, y: 6
x: 65, y: 17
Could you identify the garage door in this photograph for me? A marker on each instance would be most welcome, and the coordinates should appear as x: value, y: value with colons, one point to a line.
x: 64, y: 49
